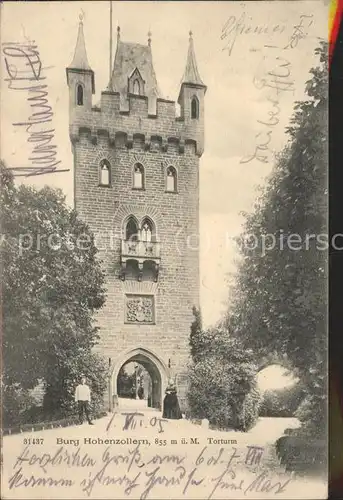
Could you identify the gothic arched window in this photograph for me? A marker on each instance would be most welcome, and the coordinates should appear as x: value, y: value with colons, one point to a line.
x: 194, y: 108
x: 136, y: 87
x: 171, y: 179
x: 138, y: 176
x: 147, y: 231
x: 79, y: 95
x: 131, y: 231
x: 105, y: 173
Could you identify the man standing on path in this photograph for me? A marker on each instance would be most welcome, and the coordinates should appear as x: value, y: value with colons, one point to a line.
x: 83, y: 397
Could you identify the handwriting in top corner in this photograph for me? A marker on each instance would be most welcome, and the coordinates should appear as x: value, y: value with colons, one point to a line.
x: 242, y: 26
x: 24, y: 73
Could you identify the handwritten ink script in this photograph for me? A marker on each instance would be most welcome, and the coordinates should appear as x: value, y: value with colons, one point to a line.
x: 25, y: 74
x: 276, y: 81
x: 243, y: 25
x: 137, y: 419
x: 133, y: 420
x: 139, y: 472
x: 299, y: 32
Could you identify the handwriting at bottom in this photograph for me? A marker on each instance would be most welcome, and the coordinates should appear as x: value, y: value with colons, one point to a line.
x: 140, y: 473
x: 263, y: 483
x: 19, y: 480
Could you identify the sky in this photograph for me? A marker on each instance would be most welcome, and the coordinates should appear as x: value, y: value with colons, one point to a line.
x: 240, y: 102
x: 275, y: 377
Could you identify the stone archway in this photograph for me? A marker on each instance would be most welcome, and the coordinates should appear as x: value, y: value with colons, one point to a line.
x: 156, y: 368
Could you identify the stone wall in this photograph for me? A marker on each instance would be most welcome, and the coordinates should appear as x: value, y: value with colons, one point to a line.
x: 177, y: 226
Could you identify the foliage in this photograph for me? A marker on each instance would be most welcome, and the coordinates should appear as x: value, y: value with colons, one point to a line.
x: 282, y: 402
x: 309, y: 419
x: 52, y: 283
x: 279, y: 300
x: 126, y: 383
x: 61, y: 386
x: 195, y: 336
x: 251, y: 407
x: 222, y: 381
x: 15, y: 401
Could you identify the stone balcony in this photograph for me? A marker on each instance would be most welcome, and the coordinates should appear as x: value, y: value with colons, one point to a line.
x: 140, y: 252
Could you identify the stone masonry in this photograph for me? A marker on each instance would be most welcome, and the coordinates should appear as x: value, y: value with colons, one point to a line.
x: 129, y: 129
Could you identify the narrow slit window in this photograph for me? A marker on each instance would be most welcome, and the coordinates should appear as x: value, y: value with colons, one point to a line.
x: 171, y: 179
x: 195, y: 108
x: 138, y: 176
x: 79, y: 95
x: 105, y: 173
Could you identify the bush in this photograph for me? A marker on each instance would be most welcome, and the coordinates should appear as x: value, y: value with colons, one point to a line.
x: 225, y: 393
x: 282, y: 402
x: 60, y: 388
x: 33, y: 415
x: 15, y: 401
x: 251, y: 408
x: 222, y: 384
x: 312, y: 413
x: 19, y: 405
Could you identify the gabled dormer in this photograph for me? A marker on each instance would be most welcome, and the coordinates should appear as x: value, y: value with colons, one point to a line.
x: 136, y: 84
x: 133, y: 72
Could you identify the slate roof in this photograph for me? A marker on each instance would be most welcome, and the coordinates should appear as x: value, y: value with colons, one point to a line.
x: 80, y: 60
x: 191, y: 74
x: 128, y: 57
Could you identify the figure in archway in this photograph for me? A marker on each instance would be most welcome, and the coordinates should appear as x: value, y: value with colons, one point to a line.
x: 171, y: 407
x: 142, y: 381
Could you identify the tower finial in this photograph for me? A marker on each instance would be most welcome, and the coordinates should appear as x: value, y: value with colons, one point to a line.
x: 118, y: 33
x: 80, y: 60
x: 149, y: 38
x: 190, y: 35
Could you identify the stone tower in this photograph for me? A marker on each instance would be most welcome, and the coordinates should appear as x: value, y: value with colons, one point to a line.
x: 136, y: 183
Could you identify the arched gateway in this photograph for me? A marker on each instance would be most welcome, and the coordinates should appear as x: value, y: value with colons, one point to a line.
x: 156, y: 368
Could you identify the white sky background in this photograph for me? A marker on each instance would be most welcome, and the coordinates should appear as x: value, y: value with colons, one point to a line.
x: 275, y: 377
x: 232, y: 103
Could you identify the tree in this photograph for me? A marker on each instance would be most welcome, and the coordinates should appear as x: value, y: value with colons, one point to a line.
x: 52, y: 283
x: 282, y: 402
x: 279, y: 300
x: 196, y: 334
x: 222, y: 377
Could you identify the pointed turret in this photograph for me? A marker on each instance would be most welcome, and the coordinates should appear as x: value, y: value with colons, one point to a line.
x: 80, y: 76
x: 191, y: 74
x: 191, y: 96
x: 80, y: 60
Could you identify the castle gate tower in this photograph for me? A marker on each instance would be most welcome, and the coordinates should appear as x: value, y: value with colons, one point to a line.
x: 136, y: 183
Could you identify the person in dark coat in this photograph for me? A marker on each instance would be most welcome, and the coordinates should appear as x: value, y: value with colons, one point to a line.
x: 171, y: 407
